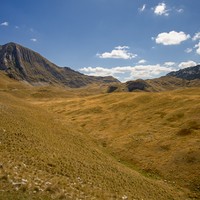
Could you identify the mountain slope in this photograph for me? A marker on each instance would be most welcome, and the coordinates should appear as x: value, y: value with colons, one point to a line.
x: 24, y: 64
x: 189, y: 73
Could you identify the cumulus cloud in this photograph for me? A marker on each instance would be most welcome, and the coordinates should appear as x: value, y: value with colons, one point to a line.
x: 198, y: 48
x: 186, y: 64
x: 131, y: 72
x: 161, y: 9
x: 196, y: 36
x: 171, y: 38
x: 142, y: 61
x: 188, y: 50
x: 98, y: 71
x: 142, y: 9
x: 33, y: 39
x: 120, y: 52
x: 149, y: 71
x: 4, y: 24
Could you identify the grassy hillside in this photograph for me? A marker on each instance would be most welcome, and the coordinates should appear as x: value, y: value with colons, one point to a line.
x: 158, y: 133
x: 67, y: 144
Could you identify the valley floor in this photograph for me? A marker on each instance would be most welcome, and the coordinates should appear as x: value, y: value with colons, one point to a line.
x: 85, y: 144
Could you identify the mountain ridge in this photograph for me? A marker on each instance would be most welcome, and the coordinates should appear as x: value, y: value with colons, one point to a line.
x: 189, y: 73
x: 188, y: 77
x: 23, y: 64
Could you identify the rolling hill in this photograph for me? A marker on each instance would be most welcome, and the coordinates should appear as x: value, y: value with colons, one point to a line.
x: 155, y: 133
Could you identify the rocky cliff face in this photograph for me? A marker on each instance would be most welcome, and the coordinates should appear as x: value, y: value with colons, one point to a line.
x: 24, y: 64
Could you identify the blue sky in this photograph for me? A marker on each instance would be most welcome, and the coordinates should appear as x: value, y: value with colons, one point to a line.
x: 128, y: 39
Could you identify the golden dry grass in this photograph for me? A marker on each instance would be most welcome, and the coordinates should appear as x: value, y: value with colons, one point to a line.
x: 67, y: 144
x: 155, y: 132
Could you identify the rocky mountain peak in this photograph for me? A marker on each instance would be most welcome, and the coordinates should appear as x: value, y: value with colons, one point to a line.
x: 24, y: 64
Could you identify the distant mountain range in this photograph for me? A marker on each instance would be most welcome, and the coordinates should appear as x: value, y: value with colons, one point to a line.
x: 188, y: 77
x: 189, y: 73
x: 23, y: 64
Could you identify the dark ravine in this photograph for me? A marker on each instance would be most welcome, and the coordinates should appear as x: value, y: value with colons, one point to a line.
x: 23, y: 64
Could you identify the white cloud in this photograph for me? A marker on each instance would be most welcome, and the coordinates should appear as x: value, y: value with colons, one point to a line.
x: 161, y: 9
x: 131, y: 72
x: 180, y: 10
x: 33, y: 39
x: 171, y: 38
x: 196, y: 36
x: 142, y: 61
x: 198, y: 48
x: 122, y: 47
x: 4, y: 24
x: 188, y: 50
x: 186, y: 64
x: 120, y: 52
x: 97, y: 71
x: 169, y: 64
x: 142, y: 9
x: 148, y: 71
